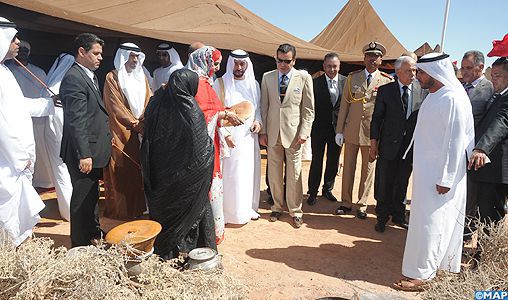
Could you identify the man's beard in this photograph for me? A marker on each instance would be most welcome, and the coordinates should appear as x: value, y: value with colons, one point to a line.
x: 238, y: 74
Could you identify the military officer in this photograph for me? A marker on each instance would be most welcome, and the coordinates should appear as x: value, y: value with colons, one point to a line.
x: 353, y: 126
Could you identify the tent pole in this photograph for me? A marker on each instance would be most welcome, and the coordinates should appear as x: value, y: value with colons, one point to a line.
x: 444, y: 26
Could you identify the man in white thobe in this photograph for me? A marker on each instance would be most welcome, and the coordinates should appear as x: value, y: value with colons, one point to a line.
x: 169, y: 61
x: 444, y: 133
x: 19, y: 202
x: 31, y: 88
x: 241, y: 170
x: 53, y: 135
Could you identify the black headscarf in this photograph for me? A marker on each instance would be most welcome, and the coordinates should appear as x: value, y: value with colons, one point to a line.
x: 177, y: 159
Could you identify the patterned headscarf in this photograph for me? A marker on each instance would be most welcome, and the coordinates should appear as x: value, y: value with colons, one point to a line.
x: 201, y: 61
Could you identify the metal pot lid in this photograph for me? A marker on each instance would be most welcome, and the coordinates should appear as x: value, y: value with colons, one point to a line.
x: 202, y: 254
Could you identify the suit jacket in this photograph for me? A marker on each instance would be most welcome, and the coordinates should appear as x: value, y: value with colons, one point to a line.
x: 491, y: 135
x: 479, y: 96
x: 389, y: 125
x: 325, y: 114
x: 294, y: 116
x: 357, y: 106
x: 86, y: 125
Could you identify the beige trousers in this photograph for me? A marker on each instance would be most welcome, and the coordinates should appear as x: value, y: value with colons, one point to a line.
x: 293, y: 168
x: 348, y: 177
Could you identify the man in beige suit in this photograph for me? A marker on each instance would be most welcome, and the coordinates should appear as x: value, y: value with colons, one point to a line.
x: 353, y: 126
x: 287, y: 110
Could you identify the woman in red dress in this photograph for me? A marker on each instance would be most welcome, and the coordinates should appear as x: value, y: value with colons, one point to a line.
x: 205, y: 62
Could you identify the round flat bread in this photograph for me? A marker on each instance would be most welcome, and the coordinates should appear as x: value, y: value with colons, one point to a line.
x: 243, y: 110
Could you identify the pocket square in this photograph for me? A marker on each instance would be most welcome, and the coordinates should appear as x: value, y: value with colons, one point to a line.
x: 297, y: 89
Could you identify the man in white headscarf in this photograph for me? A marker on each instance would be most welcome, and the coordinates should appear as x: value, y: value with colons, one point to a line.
x: 443, y: 137
x: 241, y: 171
x: 126, y: 94
x: 31, y: 88
x: 53, y: 137
x: 19, y: 202
x: 169, y: 61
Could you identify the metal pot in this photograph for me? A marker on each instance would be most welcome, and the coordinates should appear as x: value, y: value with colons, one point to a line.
x: 205, y: 259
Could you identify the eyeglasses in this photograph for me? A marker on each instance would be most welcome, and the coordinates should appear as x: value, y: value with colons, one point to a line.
x: 216, y: 63
x: 286, y: 61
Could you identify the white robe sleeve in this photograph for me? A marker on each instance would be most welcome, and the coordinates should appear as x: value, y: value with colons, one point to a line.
x: 40, y: 107
x: 454, y: 142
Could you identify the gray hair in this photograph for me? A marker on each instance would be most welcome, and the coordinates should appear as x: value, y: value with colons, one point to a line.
x: 477, y: 56
x: 404, y: 59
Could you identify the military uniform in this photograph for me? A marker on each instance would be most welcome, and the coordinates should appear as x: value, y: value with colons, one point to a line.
x: 356, y: 109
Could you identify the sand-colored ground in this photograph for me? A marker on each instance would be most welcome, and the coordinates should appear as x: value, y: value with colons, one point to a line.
x: 329, y: 256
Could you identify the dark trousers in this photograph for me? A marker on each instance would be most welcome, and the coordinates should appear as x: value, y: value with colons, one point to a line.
x: 471, y: 206
x: 491, y: 198
x: 390, y: 188
x: 318, y: 143
x: 84, y: 206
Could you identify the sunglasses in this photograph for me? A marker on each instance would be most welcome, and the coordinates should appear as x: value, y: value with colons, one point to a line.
x: 216, y: 63
x: 286, y: 61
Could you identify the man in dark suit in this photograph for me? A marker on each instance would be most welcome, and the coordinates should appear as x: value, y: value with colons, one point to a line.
x: 479, y: 90
x: 327, y: 94
x: 391, y: 129
x: 86, y: 141
x: 489, y: 160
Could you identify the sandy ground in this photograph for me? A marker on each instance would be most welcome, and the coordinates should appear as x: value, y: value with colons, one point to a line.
x: 329, y: 256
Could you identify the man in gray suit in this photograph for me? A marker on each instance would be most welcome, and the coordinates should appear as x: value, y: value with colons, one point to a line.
x: 477, y: 86
x: 479, y: 90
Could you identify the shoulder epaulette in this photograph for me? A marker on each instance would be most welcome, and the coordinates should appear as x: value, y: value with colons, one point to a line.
x: 354, y: 72
x: 386, y: 75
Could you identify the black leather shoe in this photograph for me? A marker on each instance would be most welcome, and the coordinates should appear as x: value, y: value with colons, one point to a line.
x: 270, y: 200
x: 361, y: 215
x: 403, y: 224
x: 342, y: 210
x: 328, y: 195
x: 380, y: 227
x: 311, y: 200
x: 274, y: 216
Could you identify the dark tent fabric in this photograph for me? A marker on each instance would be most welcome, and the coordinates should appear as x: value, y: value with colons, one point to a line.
x: 356, y: 25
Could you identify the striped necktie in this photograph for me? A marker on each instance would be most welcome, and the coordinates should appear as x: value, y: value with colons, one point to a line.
x: 283, y: 86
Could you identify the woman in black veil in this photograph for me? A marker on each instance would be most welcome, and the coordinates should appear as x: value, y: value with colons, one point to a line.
x: 177, y: 163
